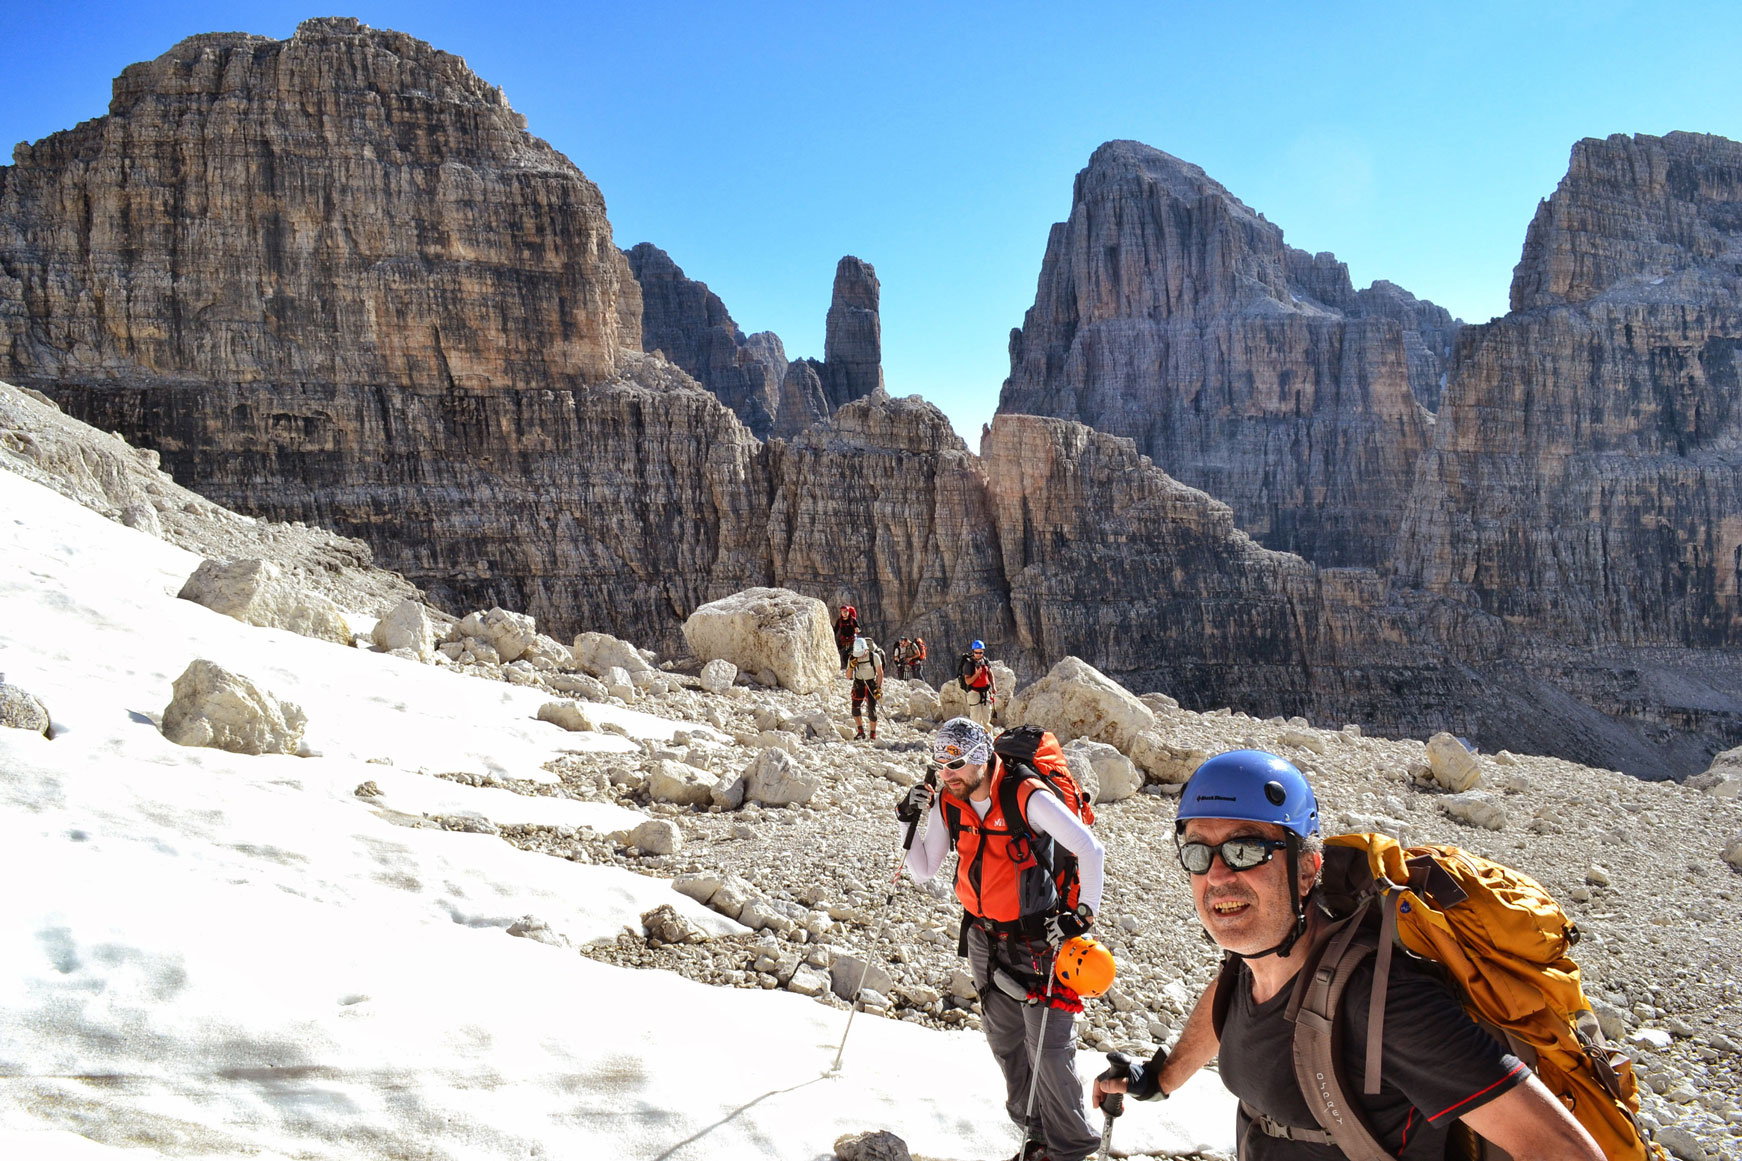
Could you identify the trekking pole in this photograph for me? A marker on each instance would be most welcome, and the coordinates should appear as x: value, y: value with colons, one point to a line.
x: 1034, y: 1066
x: 931, y: 782
x: 1112, y: 1106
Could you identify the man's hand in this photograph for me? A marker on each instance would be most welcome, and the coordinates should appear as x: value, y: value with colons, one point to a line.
x: 1124, y: 1074
x: 914, y: 803
x: 1068, y: 924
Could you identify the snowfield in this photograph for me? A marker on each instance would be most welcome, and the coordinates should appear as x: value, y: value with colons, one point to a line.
x: 207, y: 954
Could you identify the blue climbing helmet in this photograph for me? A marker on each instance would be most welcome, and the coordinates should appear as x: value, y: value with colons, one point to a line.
x: 1252, y: 786
x: 978, y: 645
x: 1255, y: 786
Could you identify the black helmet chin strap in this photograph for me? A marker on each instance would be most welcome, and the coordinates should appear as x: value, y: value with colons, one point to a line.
x: 1300, y: 913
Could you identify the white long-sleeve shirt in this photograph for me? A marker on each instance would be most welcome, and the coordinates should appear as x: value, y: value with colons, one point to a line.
x: 1046, y: 815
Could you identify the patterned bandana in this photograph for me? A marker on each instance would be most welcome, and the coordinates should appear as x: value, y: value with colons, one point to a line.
x: 962, y: 738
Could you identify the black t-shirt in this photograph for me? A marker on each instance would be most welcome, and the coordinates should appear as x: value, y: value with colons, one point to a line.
x: 1437, y: 1065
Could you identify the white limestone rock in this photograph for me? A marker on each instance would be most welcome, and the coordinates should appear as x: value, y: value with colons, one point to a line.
x: 509, y: 635
x: 766, y: 629
x: 598, y: 652
x: 257, y: 592
x: 681, y: 783
x: 1452, y: 765
x: 774, y: 779
x: 1076, y: 700
x: 1477, y: 808
x: 567, y: 714
x: 718, y: 675
x: 1164, y: 762
x: 657, y: 836
x: 922, y: 702
x: 1733, y: 852
x: 1114, y: 777
x: 407, y: 626
x: 578, y: 684
x: 211, y: 706
x: 20, y: 710
x: 846, y: 969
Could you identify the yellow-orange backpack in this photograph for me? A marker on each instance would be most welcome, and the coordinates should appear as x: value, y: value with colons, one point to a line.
x: 1501, y: 942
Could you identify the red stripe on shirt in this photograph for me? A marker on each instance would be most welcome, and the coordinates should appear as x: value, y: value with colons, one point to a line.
x: 1408, y: 1122
x: 1516, y: 1069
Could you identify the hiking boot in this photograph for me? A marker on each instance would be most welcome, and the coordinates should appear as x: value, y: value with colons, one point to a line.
x: 859, y: 735
x: 1035, y: 1151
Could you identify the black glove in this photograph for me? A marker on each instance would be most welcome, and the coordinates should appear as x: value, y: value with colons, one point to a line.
x: 1142, y: 1081
x: 1068, y: 924
x: 914, y: 803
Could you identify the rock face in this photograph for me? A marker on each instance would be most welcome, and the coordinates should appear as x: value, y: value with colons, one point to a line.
x: 1584, y: 478
x: 853, y: 339
x: 1169, y: 312
x: 689, y: 324
x: 376, y: 184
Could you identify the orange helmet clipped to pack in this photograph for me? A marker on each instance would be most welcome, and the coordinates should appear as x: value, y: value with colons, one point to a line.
x: 1085, y: 966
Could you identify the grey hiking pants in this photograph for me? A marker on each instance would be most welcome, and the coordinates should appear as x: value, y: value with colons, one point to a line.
x: 1013, y: 1029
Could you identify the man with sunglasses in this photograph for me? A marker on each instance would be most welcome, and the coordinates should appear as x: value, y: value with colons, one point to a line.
x: 1013, y: 923
x: 1237, y: 813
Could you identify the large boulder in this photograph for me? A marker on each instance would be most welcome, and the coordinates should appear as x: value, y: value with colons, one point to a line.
x: 257, y: 592
x: 598, y: 652
x: 1115, y: 777
x: 511, y: 635
x: 210, y: 706
x: 1076, y: 700
x: 773, y: 778
x: 1723, y: 778
x: 680, y: 783
x: 408, y: 626
x: 1452, y: 764
x: 566, y: 714
x: 768, y: 630
x: 1163, y: 762
x: 19, y: 710
x: 922, y: 702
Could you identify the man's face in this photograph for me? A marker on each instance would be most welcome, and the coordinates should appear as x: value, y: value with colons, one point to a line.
x: 979, y: 653
x: 964, y: 781
x: 1245, y: 911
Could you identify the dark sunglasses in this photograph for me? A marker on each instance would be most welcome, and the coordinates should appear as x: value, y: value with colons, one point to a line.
x: 1238, y: 854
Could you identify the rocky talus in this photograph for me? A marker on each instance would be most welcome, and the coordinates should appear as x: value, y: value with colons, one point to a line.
x: 1170, y: 312
x: 1586, y: 474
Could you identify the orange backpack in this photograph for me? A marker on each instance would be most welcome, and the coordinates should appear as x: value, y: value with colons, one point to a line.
x: 1501, y: 943
x: 1030, y: 752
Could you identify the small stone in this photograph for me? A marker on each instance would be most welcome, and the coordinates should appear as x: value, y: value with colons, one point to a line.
x: 1653, y: 1038
x: 1597, y: 875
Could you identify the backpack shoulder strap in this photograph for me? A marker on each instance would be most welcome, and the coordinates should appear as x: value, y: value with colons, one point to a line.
x: 952, y: 819
x: 1010, y: 796
x: 1317, y: 1062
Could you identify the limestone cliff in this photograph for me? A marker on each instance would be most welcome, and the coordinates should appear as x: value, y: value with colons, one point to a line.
x: 1586, y: 475
x: 853, y: 336
x: 1170, y: 312
x: 246, y: 201
x: 690, y: 326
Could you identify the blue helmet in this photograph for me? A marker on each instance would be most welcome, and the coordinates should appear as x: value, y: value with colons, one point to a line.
x: 1252, y: 786
x: 978, y: 645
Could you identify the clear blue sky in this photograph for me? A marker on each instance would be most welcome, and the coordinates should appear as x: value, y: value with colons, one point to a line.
x: 759, y: 143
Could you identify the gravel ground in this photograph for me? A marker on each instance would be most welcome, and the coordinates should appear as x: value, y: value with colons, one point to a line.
x: 1638, y: 866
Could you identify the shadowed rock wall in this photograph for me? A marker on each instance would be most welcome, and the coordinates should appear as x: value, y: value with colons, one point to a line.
x: 1169, y: 312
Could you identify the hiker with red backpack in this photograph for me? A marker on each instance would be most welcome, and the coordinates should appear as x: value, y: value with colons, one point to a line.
x: 974, y: 673
x: 1290, y: 1014
x: 846, y: 628
x: 1029, y: 880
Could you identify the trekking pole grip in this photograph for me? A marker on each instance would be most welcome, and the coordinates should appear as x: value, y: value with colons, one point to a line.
x: 1113, y: 1103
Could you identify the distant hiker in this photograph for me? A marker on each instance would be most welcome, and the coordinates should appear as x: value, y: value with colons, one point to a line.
x: 903, y: 654
x: 1017, y: 826
x: 913, y: 666
x: 1436, y: 1068
x: 866, y: 669
x: 975, y: 674
x: 846, y: 628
